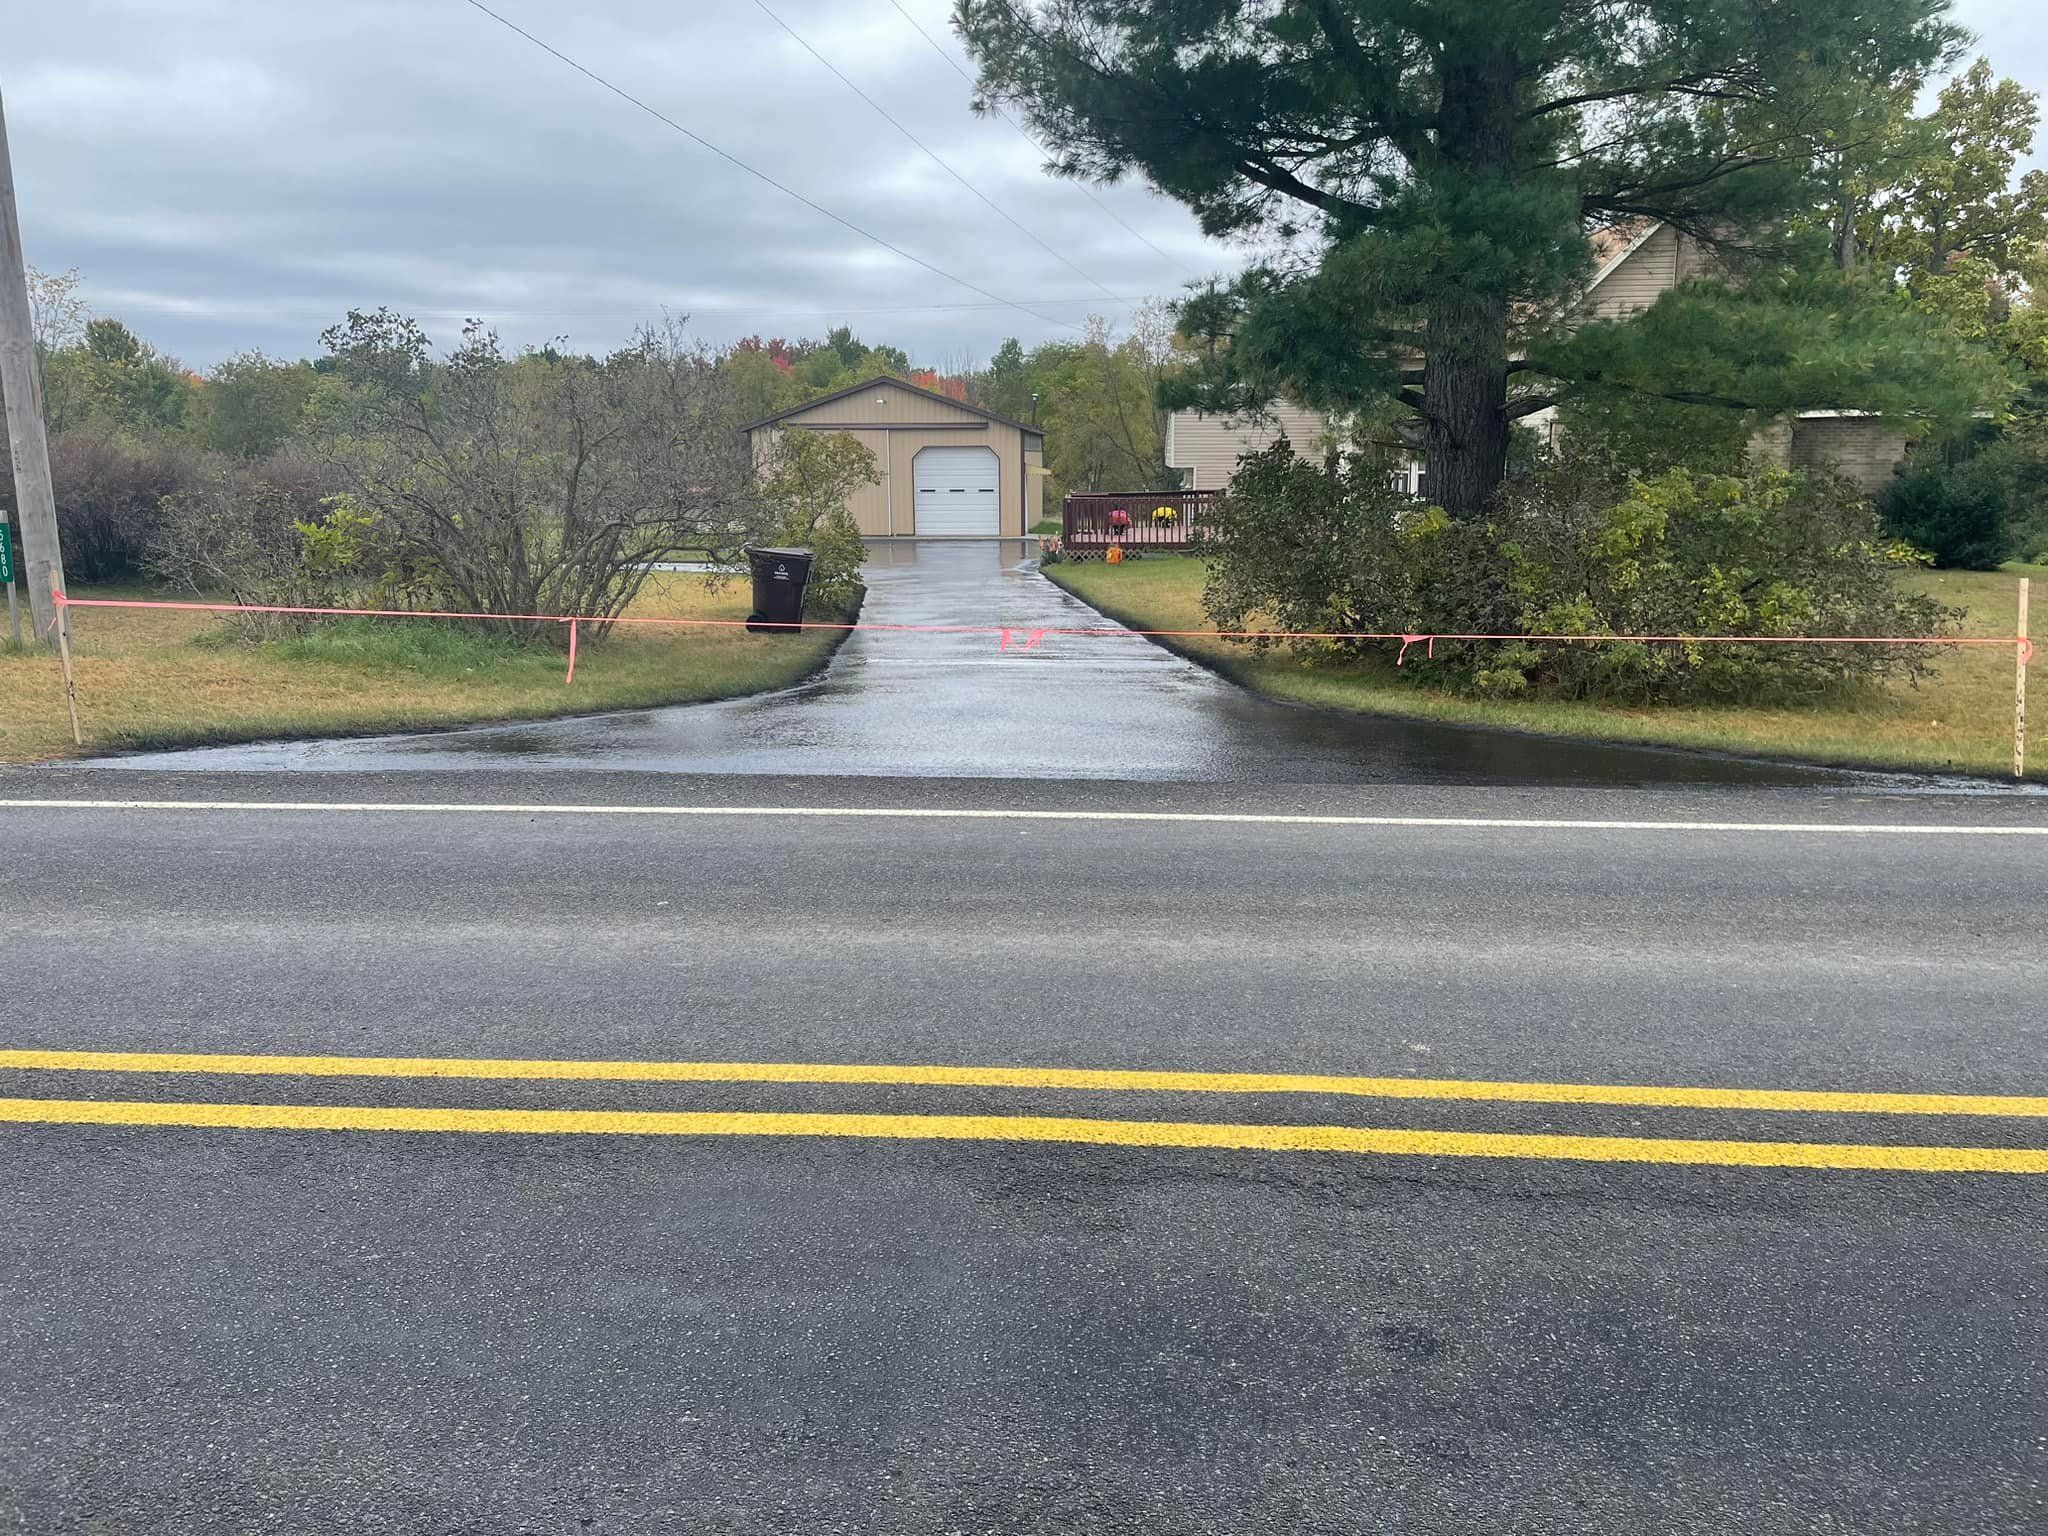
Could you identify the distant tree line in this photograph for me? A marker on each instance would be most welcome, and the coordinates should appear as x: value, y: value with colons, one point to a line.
x: 530, y: 481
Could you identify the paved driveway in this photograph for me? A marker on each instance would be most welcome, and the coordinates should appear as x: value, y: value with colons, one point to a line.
x: 928, y: 705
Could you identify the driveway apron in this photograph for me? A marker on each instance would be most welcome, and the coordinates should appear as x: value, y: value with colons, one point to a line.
x: 922, y: 703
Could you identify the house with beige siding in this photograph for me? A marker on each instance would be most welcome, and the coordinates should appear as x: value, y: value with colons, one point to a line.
x: 1633, y: 265
x: 1205, y: 449
x: 947, y: 469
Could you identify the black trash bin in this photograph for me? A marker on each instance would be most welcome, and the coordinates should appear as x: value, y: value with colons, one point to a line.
x: 780, y: 576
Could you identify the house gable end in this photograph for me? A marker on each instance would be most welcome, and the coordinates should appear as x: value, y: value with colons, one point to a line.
x: 1631, y: 280
x: 887, y: 401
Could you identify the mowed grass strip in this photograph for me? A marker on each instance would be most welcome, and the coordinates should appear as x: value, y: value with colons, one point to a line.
x: 157, y: 678
x: 1959, y: 720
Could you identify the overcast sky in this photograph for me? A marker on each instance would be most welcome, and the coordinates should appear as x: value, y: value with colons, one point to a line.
x: 230, y: 174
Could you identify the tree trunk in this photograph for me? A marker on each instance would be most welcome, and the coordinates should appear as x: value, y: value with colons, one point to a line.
x: 1465, y: 393
x: 1465, y: 363
x: 1847, y: 209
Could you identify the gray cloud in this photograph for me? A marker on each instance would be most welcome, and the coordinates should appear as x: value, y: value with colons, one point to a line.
x: 229, y: 175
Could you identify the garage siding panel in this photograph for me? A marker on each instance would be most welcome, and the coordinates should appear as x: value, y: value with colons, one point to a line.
x: 871, y: 407
x: 870, y: 503
x: 896, y: 425
x: 1034, y: 485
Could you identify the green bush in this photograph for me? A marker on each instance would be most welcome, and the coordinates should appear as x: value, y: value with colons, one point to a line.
x: 1960, y: 513
x: 2030, y: 534
x: 2028, y: 531
x: 107, y: 486
x: 247, y: 533
x: 1573, y: 545
x: 805, y: 484
x: 1321, y: 547
x: 837, y: 554
x: 1762, y: 552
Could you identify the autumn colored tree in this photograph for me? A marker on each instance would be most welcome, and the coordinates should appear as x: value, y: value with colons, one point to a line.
x: 762, y: 376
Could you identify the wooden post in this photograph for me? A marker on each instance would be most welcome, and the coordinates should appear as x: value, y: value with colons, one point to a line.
x: 34, y: 506
x: 62, y: 624
x: 2019, y: 690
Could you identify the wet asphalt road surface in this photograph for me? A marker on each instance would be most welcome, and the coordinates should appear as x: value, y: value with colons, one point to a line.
x: 917, y: 703
x: 220, y: 1331
x: 226, y: 1331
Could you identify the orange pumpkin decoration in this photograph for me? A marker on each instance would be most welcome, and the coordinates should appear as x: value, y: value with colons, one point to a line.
x: 1115, y: 556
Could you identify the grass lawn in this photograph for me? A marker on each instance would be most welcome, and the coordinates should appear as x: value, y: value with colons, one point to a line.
x: 1959, y: 720
x: 160, y: 679
x: 1046, y: 525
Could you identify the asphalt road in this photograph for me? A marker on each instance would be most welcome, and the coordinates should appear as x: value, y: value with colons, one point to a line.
x: 296, y: 1330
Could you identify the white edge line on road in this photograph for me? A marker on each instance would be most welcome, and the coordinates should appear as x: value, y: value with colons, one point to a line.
x: 1243, y: 818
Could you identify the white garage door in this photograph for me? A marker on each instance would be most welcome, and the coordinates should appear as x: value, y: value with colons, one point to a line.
x: 957, y: 491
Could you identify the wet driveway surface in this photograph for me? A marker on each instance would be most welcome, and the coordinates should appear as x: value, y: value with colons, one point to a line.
x: 922, y: 704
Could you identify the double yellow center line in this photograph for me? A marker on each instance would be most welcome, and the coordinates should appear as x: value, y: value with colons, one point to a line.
x: 1038, y: 1128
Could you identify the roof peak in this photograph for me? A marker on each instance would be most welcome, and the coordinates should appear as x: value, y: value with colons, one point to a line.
x: 899, y: 383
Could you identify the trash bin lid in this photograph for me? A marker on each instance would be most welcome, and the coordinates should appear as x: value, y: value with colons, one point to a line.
x: 777, y: 552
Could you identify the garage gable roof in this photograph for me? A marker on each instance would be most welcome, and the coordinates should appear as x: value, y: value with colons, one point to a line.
x: 893, y: 382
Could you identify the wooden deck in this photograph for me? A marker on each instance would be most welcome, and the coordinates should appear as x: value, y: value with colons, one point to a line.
x: 1087, y: 526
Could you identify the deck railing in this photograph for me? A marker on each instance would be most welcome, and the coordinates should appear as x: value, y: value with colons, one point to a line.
x: 1088, y: 521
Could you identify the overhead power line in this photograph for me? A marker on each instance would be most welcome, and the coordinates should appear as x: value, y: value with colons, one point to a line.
x: 787, y: 191
x: 1019, y: 129
x: 930, y: 153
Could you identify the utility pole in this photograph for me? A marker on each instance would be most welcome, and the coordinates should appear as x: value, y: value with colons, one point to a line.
x: 35, y: 505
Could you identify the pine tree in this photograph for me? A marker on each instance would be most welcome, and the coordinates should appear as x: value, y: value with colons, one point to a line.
x: 1431, y: 169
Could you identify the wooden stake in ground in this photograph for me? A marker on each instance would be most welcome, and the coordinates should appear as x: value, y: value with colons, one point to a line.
x: 34, y: 504
x: 2019, y: 691
x: 63, y: 627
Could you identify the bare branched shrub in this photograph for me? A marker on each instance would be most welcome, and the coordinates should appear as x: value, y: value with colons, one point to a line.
x: 544, y: 483
x: 234, y: 534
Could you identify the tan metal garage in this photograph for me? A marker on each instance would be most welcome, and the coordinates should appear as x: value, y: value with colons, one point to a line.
x: 948, y: 469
